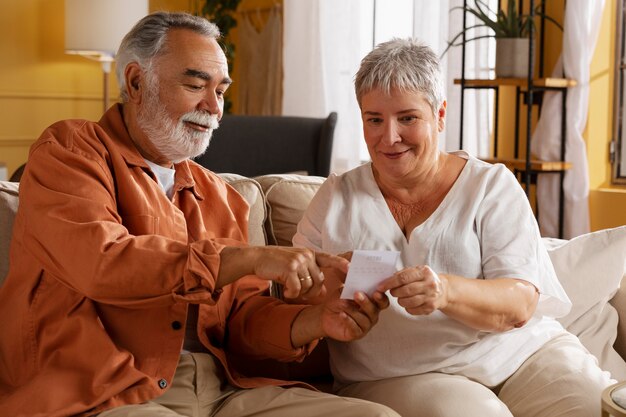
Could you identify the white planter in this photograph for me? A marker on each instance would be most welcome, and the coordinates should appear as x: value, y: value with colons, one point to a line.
x: 512, y: 57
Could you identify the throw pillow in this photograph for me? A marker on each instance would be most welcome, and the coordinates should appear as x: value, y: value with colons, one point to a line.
x: 287, y: 197
x: 251, y: 191
x: 590, y: 268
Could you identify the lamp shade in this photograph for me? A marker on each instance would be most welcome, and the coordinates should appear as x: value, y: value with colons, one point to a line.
x: 96, y: 27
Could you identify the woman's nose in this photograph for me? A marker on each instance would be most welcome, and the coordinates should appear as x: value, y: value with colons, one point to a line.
x: 390, y: 134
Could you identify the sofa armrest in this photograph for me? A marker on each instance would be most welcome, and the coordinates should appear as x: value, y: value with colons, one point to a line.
x: 8, y: 208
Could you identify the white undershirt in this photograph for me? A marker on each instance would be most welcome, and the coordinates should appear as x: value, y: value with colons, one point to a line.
x: 484, y: 228
x: 165, y: 177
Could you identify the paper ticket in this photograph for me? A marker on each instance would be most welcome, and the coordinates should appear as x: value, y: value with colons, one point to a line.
x: 367, y: 269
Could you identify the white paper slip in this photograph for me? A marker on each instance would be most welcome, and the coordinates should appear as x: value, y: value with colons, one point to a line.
x: 367, y: 269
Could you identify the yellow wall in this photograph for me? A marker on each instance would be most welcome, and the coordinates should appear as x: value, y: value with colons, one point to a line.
x: 39, y: 83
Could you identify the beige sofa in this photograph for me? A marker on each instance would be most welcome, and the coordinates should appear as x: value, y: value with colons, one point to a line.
x: 590, y: 268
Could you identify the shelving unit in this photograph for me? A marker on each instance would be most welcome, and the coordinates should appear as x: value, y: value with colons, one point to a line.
x: 531, y: 90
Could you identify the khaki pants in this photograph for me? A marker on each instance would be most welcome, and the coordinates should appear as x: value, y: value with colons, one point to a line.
x: 561, y: 379
x: 199, y: 390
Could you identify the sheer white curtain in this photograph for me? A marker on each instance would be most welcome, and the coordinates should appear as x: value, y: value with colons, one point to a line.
x: 436, y: 23
x: 322, y: 51
x: 324, y: 41
x: 582, y: 23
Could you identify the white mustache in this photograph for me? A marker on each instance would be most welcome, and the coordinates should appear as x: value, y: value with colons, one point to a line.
x: 201, y: 118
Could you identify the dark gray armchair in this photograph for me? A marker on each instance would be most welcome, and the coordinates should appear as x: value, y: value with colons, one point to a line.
x: 259, y: 145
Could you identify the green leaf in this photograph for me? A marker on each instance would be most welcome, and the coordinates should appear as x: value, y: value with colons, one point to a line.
x: 504, y: 24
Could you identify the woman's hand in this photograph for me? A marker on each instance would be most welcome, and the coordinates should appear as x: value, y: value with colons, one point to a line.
x: 418, y: 289
x: 340, y: 319
x: 495, y: 304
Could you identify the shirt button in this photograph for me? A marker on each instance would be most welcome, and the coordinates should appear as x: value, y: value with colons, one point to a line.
x: 176, y: 325
x: 162, y: 383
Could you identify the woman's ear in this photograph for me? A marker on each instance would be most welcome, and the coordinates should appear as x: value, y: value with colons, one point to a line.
x: 134, y: 77
x: 441, y: 115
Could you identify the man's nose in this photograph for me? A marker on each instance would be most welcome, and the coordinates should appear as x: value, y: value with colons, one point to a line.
x: 212, y: 104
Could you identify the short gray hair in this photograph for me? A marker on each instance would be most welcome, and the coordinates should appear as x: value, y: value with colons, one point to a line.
x: 146, y: 39
x: 405, y: 64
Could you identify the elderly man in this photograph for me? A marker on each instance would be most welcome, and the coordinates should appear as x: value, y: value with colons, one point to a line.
x: 130, y: 283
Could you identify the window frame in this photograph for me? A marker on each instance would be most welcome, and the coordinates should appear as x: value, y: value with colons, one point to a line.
x: 618, y: 143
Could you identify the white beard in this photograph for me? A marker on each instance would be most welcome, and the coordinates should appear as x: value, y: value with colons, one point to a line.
x: 173, y: 139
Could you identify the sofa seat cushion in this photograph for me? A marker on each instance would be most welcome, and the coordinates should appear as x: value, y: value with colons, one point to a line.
x: 287, y: 197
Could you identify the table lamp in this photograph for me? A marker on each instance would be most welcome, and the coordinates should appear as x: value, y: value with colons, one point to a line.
x: 95, y: 28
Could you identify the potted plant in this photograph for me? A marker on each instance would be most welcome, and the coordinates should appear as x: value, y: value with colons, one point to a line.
x: 510, y: 28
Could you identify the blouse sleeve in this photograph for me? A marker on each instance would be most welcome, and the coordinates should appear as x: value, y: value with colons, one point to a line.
x: 511, y: 242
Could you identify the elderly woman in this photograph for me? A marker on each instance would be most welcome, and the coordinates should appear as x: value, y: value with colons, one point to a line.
x: 471, y: 329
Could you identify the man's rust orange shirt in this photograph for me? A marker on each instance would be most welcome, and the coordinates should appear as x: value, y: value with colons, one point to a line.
x: 103, y: 267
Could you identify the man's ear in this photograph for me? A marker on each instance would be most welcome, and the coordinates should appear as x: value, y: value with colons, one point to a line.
x: 134, y: 77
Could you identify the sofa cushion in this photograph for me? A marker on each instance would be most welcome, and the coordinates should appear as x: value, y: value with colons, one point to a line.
x: 8, y: 207
x: 591, y: 267
x: 251, y: 191
x: 287, y: 196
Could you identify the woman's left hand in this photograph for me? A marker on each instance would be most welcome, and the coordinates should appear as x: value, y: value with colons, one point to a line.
x: 418, y: 289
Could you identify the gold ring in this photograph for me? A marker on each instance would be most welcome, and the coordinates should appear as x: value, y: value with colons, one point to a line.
x: 305, y: 278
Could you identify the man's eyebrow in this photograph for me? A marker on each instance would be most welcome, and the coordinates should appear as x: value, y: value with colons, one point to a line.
x: 190, y: 72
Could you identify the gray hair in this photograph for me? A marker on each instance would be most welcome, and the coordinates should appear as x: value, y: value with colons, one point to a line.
x: 146, y: 39
x: 406, y: 64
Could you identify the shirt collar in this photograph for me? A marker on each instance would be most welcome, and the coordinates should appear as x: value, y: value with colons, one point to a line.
x: 113, y: 123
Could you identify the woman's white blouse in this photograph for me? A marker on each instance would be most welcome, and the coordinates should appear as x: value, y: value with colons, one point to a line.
x: 484, y: 228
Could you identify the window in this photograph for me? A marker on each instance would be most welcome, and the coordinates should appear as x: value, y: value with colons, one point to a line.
x: 618, y: 146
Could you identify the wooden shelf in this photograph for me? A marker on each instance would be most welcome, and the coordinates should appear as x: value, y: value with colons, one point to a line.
x: 536, y: 165
x: 519, y: 82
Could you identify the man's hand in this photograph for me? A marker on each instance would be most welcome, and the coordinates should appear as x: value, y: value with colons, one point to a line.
x: 339, y: 319
x: 297, y: 269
